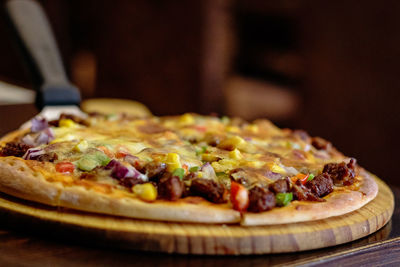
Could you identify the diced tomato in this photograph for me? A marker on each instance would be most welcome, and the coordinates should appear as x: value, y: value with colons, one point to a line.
x: 300, y: 176
x: 120, y: 154
x: 65, y: 167
x: 185, y: 167
x: 106, y: 151
x: 239, y: 197
x: 138, y: 165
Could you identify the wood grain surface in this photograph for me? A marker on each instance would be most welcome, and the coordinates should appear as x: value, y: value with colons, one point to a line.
x: 203, y: 239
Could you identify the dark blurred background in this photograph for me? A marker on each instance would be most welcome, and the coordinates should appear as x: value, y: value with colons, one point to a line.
x: 330, y: 67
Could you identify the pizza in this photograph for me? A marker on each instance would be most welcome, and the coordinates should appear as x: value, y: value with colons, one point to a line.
x: 187, y: 168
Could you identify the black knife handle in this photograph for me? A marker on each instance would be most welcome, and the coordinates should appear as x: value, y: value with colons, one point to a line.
x: 38, y: 46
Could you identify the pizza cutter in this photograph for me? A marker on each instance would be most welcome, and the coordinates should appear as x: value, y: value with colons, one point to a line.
x: 55, y: 93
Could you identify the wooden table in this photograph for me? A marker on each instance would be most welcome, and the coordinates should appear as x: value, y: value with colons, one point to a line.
x: 30, y: 247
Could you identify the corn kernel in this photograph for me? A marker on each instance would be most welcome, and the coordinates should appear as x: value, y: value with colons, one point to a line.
x: 81, y: 146
x: 310, y: 158
x: 67, y: 137
x: 67, y: 123
x: 232, y: 142
x: 146, y: 191
x: 276, y: 168
x: 235, y: 154
x: 173, y: 162
x: 232, y: 129
x: 186, y: 119
x: 209, y: 157
x: 200, y: 174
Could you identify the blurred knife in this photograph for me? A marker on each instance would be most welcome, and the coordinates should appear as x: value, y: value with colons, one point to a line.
x: 55, y: 93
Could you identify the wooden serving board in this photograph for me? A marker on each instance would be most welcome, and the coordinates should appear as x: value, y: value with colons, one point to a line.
x: 201, y: 239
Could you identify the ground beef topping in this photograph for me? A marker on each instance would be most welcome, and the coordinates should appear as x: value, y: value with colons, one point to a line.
x: 280, y: 186
x: 261, y: 199
x: 155, y: 170
x: 170, y: 187
x: 321, y: 144
x: 300, y: 192
x: 16, y: 149
x: 341, y: 173
x: 130, y: 181
x: 209, y: 189
x: 321, y: 185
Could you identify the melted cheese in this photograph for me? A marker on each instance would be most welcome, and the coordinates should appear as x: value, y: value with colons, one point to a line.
x: 257, y: 148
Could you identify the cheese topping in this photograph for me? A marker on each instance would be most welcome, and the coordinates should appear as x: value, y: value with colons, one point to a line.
x: 161, y: 157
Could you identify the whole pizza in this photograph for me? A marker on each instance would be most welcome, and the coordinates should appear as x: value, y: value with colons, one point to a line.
x: 188, y: 168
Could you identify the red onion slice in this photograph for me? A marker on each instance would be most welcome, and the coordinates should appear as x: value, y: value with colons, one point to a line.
x: 45, y: 136
x: 119, y: 171
x: 111, y: 164
x: 38, y: 124
x: 35, y: 139
x: 33, y: 153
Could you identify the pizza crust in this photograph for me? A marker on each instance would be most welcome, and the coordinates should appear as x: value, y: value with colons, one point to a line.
x: 337, y: 203
x: 19, y: 180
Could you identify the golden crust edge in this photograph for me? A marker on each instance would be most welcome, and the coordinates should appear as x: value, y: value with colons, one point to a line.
x: 20, y: 181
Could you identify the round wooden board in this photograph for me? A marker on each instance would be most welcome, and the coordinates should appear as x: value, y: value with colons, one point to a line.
x: 204, y: 239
